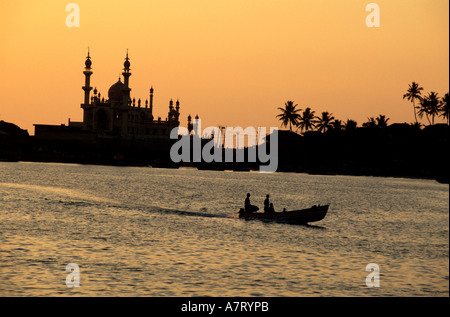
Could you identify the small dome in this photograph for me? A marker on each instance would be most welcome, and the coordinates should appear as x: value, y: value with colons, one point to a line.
x: 116, y: 91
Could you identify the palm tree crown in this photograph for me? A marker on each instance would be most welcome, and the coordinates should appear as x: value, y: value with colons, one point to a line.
x: 412, y: 94
x: 371, y: 123
x: 307, y: 121
x: 289, y: 114
x: 382, y: 121
x: 337, y: 125
x: 324, y: 123
x: 350, y: 125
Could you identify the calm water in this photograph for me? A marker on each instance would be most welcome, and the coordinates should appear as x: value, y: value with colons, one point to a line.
x: 161, y: 232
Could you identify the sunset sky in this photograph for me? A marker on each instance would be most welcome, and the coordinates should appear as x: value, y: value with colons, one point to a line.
x: 231, y: 62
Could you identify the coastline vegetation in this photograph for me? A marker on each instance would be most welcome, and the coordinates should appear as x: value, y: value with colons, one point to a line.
x: 429, y: 106
x: 322, y: 144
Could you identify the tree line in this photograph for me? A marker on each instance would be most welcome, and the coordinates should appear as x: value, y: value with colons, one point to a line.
x: 430, y: 106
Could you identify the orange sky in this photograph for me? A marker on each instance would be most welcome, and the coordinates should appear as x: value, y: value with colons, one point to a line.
x: 233, y: 62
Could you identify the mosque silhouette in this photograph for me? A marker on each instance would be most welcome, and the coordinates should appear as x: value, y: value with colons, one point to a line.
x: 118, y: 116
x: 114, y: 127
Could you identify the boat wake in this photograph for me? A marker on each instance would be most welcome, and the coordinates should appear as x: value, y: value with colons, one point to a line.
x: 65, y: 198
x: 191, y: 213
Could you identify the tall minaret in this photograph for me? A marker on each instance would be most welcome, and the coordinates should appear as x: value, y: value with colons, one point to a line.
x: 151, y: 101
x: 126, y: 75
x: 87, y: 83
x: 177, y: 111
x: 170, y: 114
x: 190, y: 126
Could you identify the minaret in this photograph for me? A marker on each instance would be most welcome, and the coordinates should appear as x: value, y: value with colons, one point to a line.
x: 190, y: 127
x: 170, y: 114
x: 177, y: 111
x: 151, y: 101
x: 87, y: 83
x: 126, y: 75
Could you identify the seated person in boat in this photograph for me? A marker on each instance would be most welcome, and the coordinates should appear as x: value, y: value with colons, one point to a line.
x: 248, y: 206
x: 271, y: 208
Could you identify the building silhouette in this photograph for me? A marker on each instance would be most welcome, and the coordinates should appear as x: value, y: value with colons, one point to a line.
x: 116, y: 116
x: 115, y: 129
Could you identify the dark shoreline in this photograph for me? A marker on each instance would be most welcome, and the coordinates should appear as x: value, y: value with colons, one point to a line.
x: 398, y: 150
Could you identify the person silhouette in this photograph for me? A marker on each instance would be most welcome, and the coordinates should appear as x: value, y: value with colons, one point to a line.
x: 247, y: 203
x: 266, y: 204
x: 248, y: 206
x: 271, y: 208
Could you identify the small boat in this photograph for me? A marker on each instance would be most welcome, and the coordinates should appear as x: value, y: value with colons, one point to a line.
x: 303, y: 216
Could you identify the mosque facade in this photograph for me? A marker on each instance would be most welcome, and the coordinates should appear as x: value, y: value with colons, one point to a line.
x: 118, y: 115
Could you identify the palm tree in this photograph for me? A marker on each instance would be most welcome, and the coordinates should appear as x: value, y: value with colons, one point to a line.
x: 336, y: 125
x: 382, y: 121
x: 324, y: 122
x: 412, y: 94
x: 434, y: 105
x: 417, y: 125
x: 350, y: 125
x: 423, y: 109
x: 430, y: 106
x: 444, y: 107
x: 307, y: 121
x: 371, y: 123
x: 289, y: 114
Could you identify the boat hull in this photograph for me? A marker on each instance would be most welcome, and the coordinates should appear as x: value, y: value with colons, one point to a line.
x: 303, y: 216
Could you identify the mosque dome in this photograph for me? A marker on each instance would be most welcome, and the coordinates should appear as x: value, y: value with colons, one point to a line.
x: 115, y: 92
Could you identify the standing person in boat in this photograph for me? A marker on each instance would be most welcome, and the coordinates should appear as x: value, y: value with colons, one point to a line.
x: 267, y: 204
x: 248, y: 206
